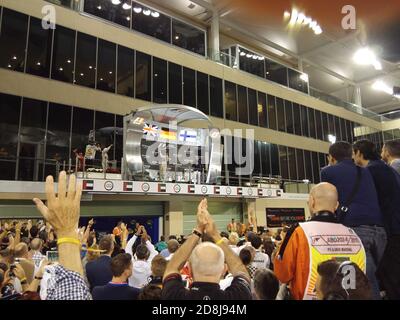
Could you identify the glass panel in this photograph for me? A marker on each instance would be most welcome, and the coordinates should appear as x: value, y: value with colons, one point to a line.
x: 271, y: 112
x: 304, y: 121
x: 251, y: 62
x: 189, y: 87
x: 106, y: 66
x: 118, y: 148
x: 349, y: 131
x: 311, y: 119
x: 297, y: 119
x: 188, y: 37
x: 284, y: 162
x: 300, y: 164
x: 325, y: 127
x: 151, y: 22
x: 308, y: 165
x: 216, y: 98
x: 343, y: 129
x: 265, y: 159
x: 316, y: 168
x: 63, y: 54
x: 39, y: 49
x: 276, y: 72
x: 296, y: 82
x: 331, y: 125
x: 257, y: 158
x: 14, y: 26
x: 262, y: 110
x: 125, y: 71
x: 32, y: 140
x: 230, y: 101
x: 119, y: 13
x: 289, y: 117
x: 318, y: 124
x: 82, y: 125
x: 253, y: 113
x: 105, y: 130
x: 175, y: 83
x: 322, y: 160
x: 242, y: 104
x: 10, y: 106
x: 85, y: 60
x: 143, y: 76
x: 159, y: 80
x: 280, y: 107
x: 292, y: 163
x: 58, y: 137
x: 275, y: 160
x: 337, y: 128
x: 202, y: 92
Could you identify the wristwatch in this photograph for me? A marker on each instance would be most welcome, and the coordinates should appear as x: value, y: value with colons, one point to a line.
x: 197, y: 233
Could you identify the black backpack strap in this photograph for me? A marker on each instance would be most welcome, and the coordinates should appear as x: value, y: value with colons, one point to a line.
x: 287, y: 238
x: 345, y: 207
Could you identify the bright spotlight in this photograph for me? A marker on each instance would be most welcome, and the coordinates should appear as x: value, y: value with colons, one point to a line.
x: 332, y: 138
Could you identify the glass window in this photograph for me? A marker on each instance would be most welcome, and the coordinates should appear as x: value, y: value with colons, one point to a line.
x: 230, y: 101
x: 9, y: 126
x: 253, y: 112
x: 73, y: 4
x: 118, y: 148
x: 331, y: 125
x: 188, y: 37
x: 175, y: 83
x: 316, y: 167
x: 85, y: 69
x: 272, y: 112
x: 143, y: 76
x: 151, y: 22
x: 159, y: 80
x: 325, y: 126
x: 308, y: 165
x: 297, y: 82
x: 289, y: 117
x: 14, y: 26
x: 257, y: 158
x: 297, y: 119
x: 300, y: 164
x: 106, y: 66
x: 337, y: 128
x: 189, y: 87
x: 39, y: 49
x: 63, y: 54
x: 251, y: 62
x: 349, y: 131
x: 125, y: 71
x: 311, y: 119
x: 105, y: 132
x: 265, y: 159
x: 292, y: 163
x: 275, y: 160
x: 242, y: 104
x: 32, y: 140
x: 283, y: 158
x: 58, y: 137
x: 118, y: 12
x: 216, y: 98
x: 82, y: 126
x: 276, y: 72
x: 304, y: 121
x: 318, y: 125
x: 343, y: 129
x: 202, y: 92
x: 262, y: 110
x: 323, y: 161
x: 280, y: 108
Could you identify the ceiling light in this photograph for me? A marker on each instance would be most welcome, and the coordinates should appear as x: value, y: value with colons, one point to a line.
x: 137, y: 9
x: 146, y: 12
x: 379, y: 85
x: 331, y: 138
x: 377, y: 65
x: 9, y: 66
x: 261, y: 58
x: 249, y: 55
x: 255, y: 57
x: 242, y: 53
x: 318, y: 30
x: 293, y: 17
x: 82, y: 74
x: 68, y: 61
x: 364, y: 56
x: 155, y: 14
x: 177, y: 37
x: 128, y: 18
x: 126, y: 6
x: 304, y: 77
x: 90, y: 67
x: 38, y: 63
x: 300, y: 18
x: 99, y: 7
x: 286, y: 14
x: 14, y: 58
x: 60, y: 69
x: 116, y: 2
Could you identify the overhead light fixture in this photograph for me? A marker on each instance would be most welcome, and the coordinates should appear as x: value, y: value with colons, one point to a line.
x: 261, y: 58
x: 255, y: 57
x: 147, y: 12
x: 249, y: 55
x: 99, y: 7
x: 300, y: 19
x: 379, y: 85
x: 242, y: 53
x: 286, y: 14
x: 116, y: 2
x: 155, y: 14
x: 331, y: 138
x: 14, y: 58
x: 137, y: 9
x: 126, y: 6
x: 365, y: 56
x: 304, y: 77
x: 128, y: 18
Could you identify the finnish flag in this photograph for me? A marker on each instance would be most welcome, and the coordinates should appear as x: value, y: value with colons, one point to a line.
x: 188, y: 136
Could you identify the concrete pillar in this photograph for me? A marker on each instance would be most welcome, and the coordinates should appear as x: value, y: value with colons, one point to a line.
x: 300, y: 65
x: 173, y: 218
x: 249, y: 213
x: 214, y: 35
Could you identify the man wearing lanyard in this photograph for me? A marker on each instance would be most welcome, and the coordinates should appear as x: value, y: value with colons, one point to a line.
x: 118, y: 288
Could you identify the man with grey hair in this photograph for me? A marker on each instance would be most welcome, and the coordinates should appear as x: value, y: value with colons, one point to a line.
x: 206, y: 263
x: 391, y: 154
x: 35, y: 253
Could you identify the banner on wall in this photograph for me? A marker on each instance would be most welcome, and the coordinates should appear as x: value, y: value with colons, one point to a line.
x: 279, y: 217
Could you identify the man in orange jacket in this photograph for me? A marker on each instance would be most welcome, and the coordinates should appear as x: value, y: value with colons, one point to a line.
x: 308, y: 244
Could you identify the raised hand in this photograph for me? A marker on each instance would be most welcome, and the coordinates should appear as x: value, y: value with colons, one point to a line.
x: 62, y: 211
x: 202, y: 214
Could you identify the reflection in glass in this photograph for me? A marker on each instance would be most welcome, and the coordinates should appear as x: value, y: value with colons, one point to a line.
x: 189, y: 87
x: 283, y: 158
x: 289, y: 117
x: 188, y: 37
x: 316, y: 167
x: 298, y: 81
x: 265, y: 159
x: 242, y: 104
x: 143, y: 76
x: 106, y: 66
x: 253, y: 109
x: 216, y: 98
x: 126, y: 71
x: 338, y: 129
x: 280, y: 108
x: 318, y: 123
x: 251, y: 62
x: 272, y: 112
x: 14, y: 26
x: 118, y: 13
x: 308, y: 165
x: 292, y: 163
x: 304, y: 121
x: 311, y: 119
x: 82, y: 126
x: 63, y: 54
x: 230, y: 101
x: 175, y: 83
x: 297, y: 119
x: 300, y: 164
x: 39, y: 49
x: 262, y: 110
x: 85, y: 69
x: 343, y: 129
x: 275, y: 160
x: 276, y: 72
x: 159, y: 80
x: 257, y: 158
x: 202, y: 92
x: 325, y: 126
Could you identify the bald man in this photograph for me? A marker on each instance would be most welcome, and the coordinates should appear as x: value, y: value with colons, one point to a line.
x: 321, y: 238
x: 35, y: 253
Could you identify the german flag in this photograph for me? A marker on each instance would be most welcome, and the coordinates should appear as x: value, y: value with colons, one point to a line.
x: 168, y: 135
